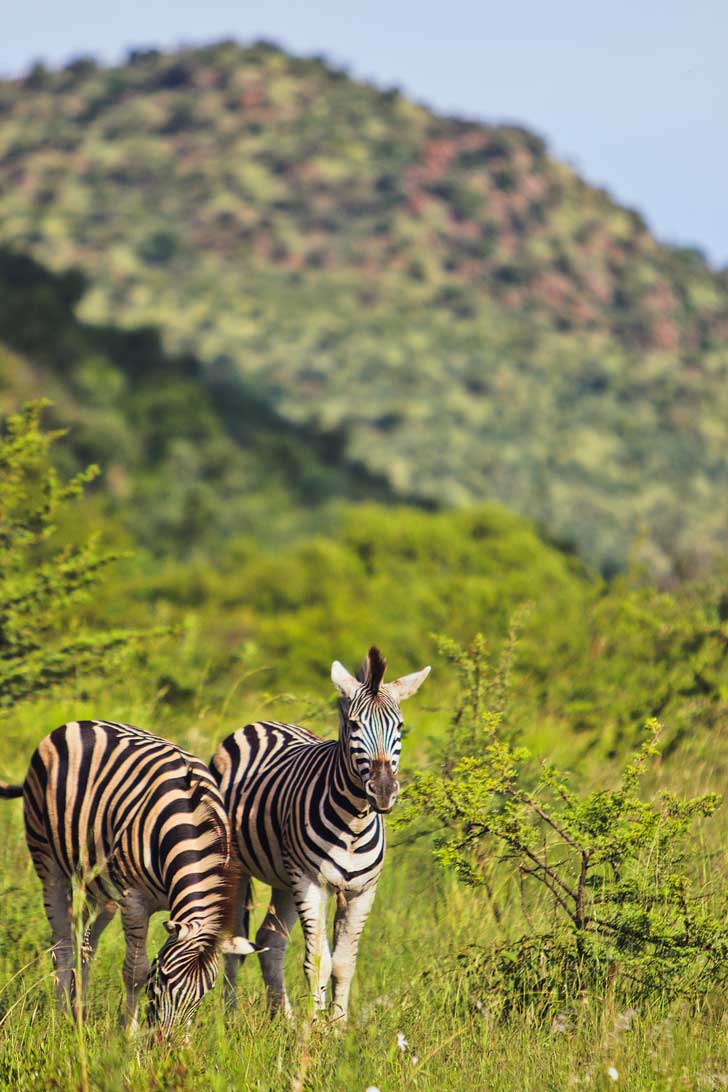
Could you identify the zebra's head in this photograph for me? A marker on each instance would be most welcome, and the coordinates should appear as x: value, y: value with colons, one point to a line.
x: 371, y: 725
x: 184, y: 970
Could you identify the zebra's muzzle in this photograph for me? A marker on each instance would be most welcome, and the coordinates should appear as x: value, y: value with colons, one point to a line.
x: 381, y: 810
x: 382, y: 788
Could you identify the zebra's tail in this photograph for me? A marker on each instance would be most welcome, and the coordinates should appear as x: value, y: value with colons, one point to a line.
x: 10, y: 792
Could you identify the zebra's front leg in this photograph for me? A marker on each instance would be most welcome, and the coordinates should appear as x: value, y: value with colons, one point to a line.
x: 241, y: 925
x: 273, y: 936
x: 135, y: 921
x: 311, y: 902
x: 352, y: 912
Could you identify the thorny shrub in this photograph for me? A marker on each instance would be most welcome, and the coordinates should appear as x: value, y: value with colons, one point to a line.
x: 605, y: 892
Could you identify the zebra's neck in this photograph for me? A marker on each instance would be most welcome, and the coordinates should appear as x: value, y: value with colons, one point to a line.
x: 201, y: 884
x: 346, y: 790
x: 205, y: 906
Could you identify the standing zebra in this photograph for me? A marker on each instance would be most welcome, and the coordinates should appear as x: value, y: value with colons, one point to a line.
x: 307, y: 817
x: 141, y: 823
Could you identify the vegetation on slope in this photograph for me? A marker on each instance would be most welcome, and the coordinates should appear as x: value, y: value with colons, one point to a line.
x: 187, y: 460
x: 195, y: 465
x: 461, y: 309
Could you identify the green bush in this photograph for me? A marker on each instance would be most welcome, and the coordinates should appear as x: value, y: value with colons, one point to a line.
x: 41, y: 641
x: 609, y: 895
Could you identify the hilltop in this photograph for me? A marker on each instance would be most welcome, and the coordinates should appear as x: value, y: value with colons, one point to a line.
x: 463, y: 311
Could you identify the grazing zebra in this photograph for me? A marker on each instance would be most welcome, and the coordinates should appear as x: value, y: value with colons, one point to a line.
x: 141, y: 823
x: 307, y: 818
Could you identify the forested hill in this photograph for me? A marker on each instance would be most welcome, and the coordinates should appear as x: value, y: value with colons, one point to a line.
x: 187, y: 460
x: 474, y: 319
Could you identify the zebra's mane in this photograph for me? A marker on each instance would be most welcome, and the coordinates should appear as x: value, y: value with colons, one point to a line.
x: 372, y: 670
x: 371, y: 674
x: 217, y: 830
x: 212, y: 823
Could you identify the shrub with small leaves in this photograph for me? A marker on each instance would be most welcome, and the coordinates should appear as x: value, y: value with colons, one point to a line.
x: 601, y: 880
x: 42, y: 640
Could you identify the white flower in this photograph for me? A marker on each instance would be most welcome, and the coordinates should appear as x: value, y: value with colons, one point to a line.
x: 414, y: 1059
x: 612, y: 1073
x: 371, y: 1088
x: 401, y: 1041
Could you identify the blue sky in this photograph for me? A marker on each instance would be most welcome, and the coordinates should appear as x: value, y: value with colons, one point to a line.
x: 635, y: 95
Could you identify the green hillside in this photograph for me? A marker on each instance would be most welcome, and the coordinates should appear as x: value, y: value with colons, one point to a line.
x: 470, y: 317
x: 186, y: 459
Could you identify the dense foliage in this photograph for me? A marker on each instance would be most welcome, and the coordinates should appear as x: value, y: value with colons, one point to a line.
x: 470, y: 317
x: 42, y: 641
x: 284, y: 604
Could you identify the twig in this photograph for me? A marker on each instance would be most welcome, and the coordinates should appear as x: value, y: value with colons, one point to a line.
x: 435, y: 1050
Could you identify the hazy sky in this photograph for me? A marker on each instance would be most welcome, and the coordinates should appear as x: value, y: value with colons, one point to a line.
x: 634, y: 92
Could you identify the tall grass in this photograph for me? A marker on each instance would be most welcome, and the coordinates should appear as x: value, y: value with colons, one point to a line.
x: 405, y: 987
x: 417, y: 1021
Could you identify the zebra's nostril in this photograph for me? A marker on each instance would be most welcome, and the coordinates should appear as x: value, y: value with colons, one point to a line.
x: 373, y: 790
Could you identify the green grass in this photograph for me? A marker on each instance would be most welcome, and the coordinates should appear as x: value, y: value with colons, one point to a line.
x: 408, y: 979
x: 401, y: 987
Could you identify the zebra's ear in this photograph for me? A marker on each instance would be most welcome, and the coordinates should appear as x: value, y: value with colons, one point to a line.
x: 344, y: 682
x: 408, y: 684
x: 239, y: 946
x: 177, y: 929
x: 182, y: 930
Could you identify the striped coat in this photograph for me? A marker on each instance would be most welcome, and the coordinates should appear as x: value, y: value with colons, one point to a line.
x: 307, y: 816
x: 140, y: 823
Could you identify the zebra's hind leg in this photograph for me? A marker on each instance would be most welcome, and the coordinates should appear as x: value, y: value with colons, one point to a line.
x: 58, y: 902
x: 351, y: 915
x: 241, y: 925
x: 311, y: 902
x: 273, y: 935
x: 135, y: 921
x: 91, y: 939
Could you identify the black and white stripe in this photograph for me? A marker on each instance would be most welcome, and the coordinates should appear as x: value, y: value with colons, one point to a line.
x: 141, y: 824
x: 307, y: 818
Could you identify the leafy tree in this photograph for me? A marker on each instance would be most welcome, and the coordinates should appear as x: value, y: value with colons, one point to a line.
x: 43, y: 639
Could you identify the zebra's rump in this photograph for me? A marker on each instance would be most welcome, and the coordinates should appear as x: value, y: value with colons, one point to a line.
x: 109, y: 802
x: 277, y: 786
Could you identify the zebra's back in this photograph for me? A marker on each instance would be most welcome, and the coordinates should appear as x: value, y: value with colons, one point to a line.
x: 98, y: 796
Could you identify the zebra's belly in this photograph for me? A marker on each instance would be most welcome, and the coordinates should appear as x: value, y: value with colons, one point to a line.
x: 346, y: 872
x: 338, y: 869
x: 260, y: 850
x: 270, y: 870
